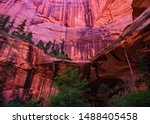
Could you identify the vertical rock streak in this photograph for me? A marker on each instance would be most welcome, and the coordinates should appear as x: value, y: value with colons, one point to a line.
x: 86, y: 25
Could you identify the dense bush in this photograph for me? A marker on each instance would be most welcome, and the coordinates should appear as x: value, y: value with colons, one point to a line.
x: 69, y: 99
x: 5, y: 23
x: 40, y: 45
x: 144, y: 67
x: 18, y: 101
x: 139, y: 99
x: 71, y: 86
x: 62, y: 56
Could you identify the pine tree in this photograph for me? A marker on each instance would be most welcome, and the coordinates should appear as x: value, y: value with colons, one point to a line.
x: 6, y: 20
x: 40, y: 44
x: 3, y: 22
x: 71, y: 86
x: 62, y: 47
x: 54, y: 50
x: 29, y: 37
x: 20, y: 30
x: 10, y: 25
x: 48, y: 45
x: 21, y: 27
x: 143, y: 64
x: 53, y: 45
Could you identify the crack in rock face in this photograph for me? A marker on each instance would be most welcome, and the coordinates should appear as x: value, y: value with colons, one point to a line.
x: 87, y: 26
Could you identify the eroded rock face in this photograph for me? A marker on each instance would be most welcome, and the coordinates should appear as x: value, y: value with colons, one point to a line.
x: 29, y: 68
x: 35, y: 70
x: 124, y: 54
x: 139, y: 6
x: 86, y: 25
x: 25, y: 59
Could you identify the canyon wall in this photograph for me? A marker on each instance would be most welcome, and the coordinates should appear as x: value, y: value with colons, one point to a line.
x: 25, y: 66
x: 139, y: 6
x: 32, y: 69
x: 125, y: 53
x: 86, y: 25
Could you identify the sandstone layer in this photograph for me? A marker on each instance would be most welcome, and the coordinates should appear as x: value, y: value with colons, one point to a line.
x: 139, y: 6
x: 115, y: 65
x: 32, y: 69
x: 124, y: 53
x: 86, y: 25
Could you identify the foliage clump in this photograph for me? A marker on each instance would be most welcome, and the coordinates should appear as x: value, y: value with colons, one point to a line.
x: 5, y: 23
x: 17, y: 100
x: 144, y: 67
x: 53, y: 49
x: 138, y: 99
x: 7, y: 70
x: 71, y: 88
x: 20, y: 33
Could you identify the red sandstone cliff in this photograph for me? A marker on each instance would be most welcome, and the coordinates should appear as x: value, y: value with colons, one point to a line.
x: 120, y: 59
x: 32, y: 69
x: 35, y: 70
x: 86, y: 25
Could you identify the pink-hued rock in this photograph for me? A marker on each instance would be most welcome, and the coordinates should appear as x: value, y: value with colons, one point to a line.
x: 139, y: 6
x: 26, y: 72
x: 122, y: 57
x: 32, y: 69
x: 86, y: 25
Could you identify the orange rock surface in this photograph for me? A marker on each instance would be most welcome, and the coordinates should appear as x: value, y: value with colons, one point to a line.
x: 86, y: 25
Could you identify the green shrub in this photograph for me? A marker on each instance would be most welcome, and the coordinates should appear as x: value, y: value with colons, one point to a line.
x: 69, y: 99
x: 4, y: 20
x: 71, y: 86
x: 144, y: 67
x: 35, y: 102
x: 16, y: 100
x: 71, y: 79
x: 40, y: 44
x: 139, y: 99
x: 29, y: 37
x: 62, y: 56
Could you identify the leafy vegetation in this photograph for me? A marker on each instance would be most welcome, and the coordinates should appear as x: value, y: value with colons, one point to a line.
x: 48, y: 46
x: 50, y: 49
x: 29, y: 38
x: 69, y: 99
x: 20, y: 33
x: 7, y: 70
x: 40, y: 45
x: 71, y: 86
x: 28, y: 101
x: 139, y: 99
x: 144, y: 67
x: 35, y: 102
x: 61, y: 56
x: 5, y: 23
